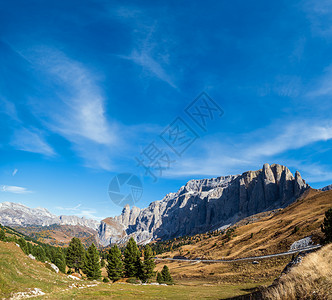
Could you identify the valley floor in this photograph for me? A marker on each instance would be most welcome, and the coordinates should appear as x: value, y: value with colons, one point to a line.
x: 194, y: 290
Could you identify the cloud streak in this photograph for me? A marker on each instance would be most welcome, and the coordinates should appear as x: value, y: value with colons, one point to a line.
x: 75, y: 208
x: 227, y: 158
x: 31, y: 140
x: 149, y: 51
x: 77, y: 112
x: 14, y: 189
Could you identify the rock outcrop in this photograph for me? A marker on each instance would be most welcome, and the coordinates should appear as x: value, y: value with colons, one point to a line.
x: 209, y: 204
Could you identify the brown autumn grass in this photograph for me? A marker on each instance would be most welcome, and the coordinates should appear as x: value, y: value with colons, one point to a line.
x: 188, y: 273
x: 311, y: 279
x: 270, y: 234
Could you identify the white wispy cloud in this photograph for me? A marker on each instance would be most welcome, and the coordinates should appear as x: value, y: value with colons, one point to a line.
x: 144, y: 59
x: 292, y: 136
x: 215, y: 158
x: 8, y: 108
x: 323, y: 86
x: 312, y: 172
x: 75, y: 208
x: 14, y: 189
x: 319, y: 14
x: 31, y: 140
x: 89, y: 214
x: 77, y: 112
x: 151, y: 47
x: 14, y: 172
x: 80, y: 211
x: 82, y: 103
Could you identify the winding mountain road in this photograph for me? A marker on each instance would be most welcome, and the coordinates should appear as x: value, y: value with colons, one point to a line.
x: 306, y: 249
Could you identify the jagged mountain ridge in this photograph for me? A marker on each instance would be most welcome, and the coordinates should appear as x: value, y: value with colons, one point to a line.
x: 327, y: 188
x: 207, y: 204
x: 198, y: 206
x: 19, y: 214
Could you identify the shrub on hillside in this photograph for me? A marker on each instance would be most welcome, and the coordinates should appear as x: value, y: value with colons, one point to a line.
x: 327, y: 226
x: 2, y: 235
x: 133, y: 280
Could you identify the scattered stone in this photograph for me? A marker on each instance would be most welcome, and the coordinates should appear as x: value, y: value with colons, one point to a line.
x: 255, y: 262
x: 53, y: 266
x: 31, y: 256
x: 73, y: 277
x: 303, y: 243
x: 28, y: 294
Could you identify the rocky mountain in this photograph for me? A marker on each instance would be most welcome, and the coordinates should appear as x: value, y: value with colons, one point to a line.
x: 327, y: 188
x: 19, y: 214
x: 207, y: 204
x: 197, y: 207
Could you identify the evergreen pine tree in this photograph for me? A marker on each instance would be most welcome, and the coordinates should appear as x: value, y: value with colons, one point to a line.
x: 59, y: 259
x: 2, y: 235
x: 102, y: 263
x: 48, y: 254
x: 132, y: 259
x: 160, y: 278
x: 39, y: 253
x: 23, y: 245
x: 148, y: 264
x: 29, y: 248
x: 327, y: 226
x: 114, y: 264
x: 166, y: 275
x: 92, y: 264
x: 75, y: 254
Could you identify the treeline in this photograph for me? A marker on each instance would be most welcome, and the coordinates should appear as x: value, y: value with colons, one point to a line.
x: 161, y: 247
x: 42, y: 252
x: 133, y: 263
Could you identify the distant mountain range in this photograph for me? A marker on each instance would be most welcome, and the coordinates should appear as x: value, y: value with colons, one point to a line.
x: 197, y: 207
x: 19, y: 214
x: 327, y: 188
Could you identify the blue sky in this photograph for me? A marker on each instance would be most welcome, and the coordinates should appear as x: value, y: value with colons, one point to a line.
x: 87, y: 86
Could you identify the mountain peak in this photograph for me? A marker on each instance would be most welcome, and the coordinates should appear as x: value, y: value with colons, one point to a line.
x: 208, y: 204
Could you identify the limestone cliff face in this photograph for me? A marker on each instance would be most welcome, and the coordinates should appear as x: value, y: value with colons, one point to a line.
x: 208, y: 204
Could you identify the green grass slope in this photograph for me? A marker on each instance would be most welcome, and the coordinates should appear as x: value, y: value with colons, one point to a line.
x: 19, y: 273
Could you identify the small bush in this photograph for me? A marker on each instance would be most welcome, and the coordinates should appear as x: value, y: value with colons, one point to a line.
x: 296, y: 229
x: 133, y: 280
x: 106, y: 280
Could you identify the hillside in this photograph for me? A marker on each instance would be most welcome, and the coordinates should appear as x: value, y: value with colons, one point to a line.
x: 19, y: 273
x: 59, y: 235
x: 311, y: 279
x: 21, y: 276
x: 267, y: 233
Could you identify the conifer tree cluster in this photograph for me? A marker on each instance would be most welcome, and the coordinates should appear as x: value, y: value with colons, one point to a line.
x: 131, y: 265
x: 42, y: 252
